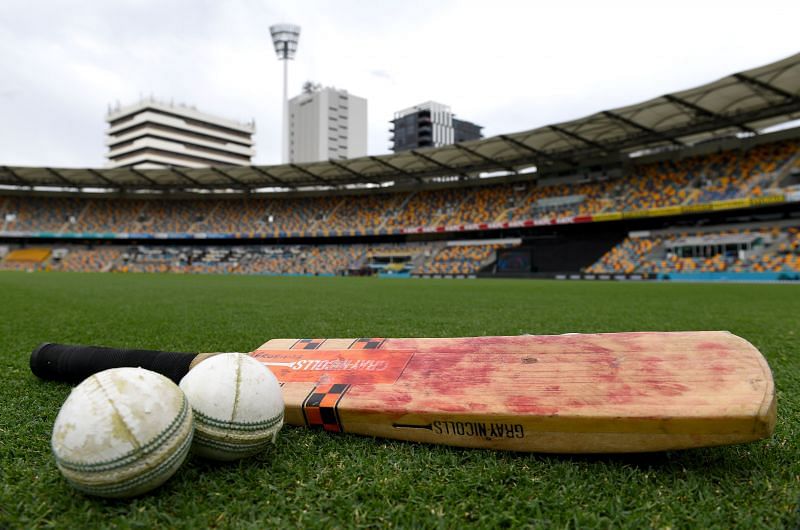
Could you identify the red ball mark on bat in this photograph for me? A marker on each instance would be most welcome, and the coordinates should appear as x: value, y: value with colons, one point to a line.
x: 721, y: 350
x: 529, y: 405
x: 429, y: 406
x: 623, y: 394
x: 361, y: 389
x: 579, y: 403
x: 397, y: 399
x: 666, y: 388
x: 606, y: 368
x: 628, y: 342
x: 449, y: 374
x: 721, y: 369
x: 652, y: 365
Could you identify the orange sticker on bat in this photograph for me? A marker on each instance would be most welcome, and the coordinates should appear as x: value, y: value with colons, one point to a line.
x: 335, y: 366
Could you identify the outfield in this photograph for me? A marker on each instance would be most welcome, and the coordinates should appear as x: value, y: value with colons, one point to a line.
x: 313, y: 479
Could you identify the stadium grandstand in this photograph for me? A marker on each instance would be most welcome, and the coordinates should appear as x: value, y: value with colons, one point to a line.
x: 698, y: 184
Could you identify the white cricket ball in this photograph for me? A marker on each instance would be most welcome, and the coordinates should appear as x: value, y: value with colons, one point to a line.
x: 237, y: 405
x: 122, y: 432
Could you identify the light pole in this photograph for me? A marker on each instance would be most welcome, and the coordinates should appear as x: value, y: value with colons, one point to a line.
x: 285, y: 37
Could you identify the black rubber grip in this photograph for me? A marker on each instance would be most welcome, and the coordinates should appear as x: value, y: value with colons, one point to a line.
x: 73, y: 364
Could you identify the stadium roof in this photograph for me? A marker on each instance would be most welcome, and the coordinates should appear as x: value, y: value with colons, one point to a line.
x: 744, y: 102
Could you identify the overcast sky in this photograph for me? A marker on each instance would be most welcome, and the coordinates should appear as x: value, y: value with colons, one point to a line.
x: 506, y: 65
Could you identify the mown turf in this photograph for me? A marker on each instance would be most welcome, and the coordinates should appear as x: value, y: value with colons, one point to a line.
x: 317, y: 480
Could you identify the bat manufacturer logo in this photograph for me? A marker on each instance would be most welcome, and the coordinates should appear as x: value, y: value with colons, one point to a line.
x: 478, y: 429
x: 335, y: 366
x: 370, y: 365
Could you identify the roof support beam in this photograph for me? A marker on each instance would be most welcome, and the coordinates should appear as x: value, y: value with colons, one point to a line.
x: 766, y: 86
x: 536, y: 152
x: 19, y: 179
x: 641, y: 127
x: 109, y: 182
x: 385, y: 163
x: 441, y: 165
x: 187, y: 177
x: 578, y: 137
x: 270, y: 176
x: 236, y: 181
x: 310, y: 174
x: 360, y: 176
x: 61, y: 177
x: 144, y: 177
x: 698, y: 110
x: 489, y: 159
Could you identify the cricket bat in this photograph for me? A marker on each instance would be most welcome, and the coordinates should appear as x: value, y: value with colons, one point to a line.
x: 574, y: 393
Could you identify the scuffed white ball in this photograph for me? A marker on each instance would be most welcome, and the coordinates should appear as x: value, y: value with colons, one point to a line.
x: 122, y: 432
x: 237, y: 404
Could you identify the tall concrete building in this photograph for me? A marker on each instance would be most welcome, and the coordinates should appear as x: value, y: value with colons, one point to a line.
x: 430, y: 124
x: 153, y: 134
x: 326, y: 124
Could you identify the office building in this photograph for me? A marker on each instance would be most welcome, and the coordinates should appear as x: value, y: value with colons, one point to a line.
x: 430, y: 124
x: 326, y: 124
x: 153, y: 134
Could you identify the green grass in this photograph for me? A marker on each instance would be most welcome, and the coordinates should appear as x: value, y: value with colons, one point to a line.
x: 313, y: 479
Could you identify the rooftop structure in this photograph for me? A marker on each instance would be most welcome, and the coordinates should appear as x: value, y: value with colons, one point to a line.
x: 430, y: 124
x: 153, y: 134
x: 326, y: 124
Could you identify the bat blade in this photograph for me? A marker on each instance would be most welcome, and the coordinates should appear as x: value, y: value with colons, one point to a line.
x: 577, y: 393
x: 591, y: 393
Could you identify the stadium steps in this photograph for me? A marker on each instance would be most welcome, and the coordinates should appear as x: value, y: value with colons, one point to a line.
x: 488, y: 262
x: 330, y: 216
x: 504, y: 215
x: 419, y: 261
x: 706, y: 173
x: 392, y: 212
x: 141, y: 211
x: 141, y: 226
x: 437, y: 220
x: 770, y: 245
x: 324, y: 217
x: 399, y: 208
x: 524, y: 209
x: 108, y: 267
x: 770, y: 180
x: 507, y: 214
x: 694, y: 186
x: 3, y: 213
x: 606, y: 205
x: 359, y: 262
x: 443, y: 219
x: 78, y: 218
x: 656, y: 254
x: 782, y: 175
x: 199, y: 226
x: 691, y: 197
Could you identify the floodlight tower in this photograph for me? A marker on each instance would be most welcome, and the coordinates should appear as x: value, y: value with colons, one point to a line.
x: 285, y: 37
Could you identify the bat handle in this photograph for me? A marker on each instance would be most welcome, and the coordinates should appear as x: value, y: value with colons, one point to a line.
x: 73, y: 364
